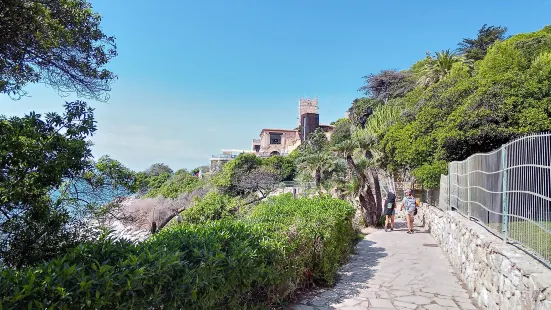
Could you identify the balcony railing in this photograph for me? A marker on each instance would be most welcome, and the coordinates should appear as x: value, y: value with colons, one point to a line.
x: 232, y: 156
x: 224, y: 156
x: 268, y: 154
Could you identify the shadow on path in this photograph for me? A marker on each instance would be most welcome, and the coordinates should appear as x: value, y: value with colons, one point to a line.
x: 352, y: 278
x: 393, y: 270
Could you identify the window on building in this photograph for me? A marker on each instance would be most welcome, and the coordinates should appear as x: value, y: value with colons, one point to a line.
x: 257, y: 148
x: 275, y: 138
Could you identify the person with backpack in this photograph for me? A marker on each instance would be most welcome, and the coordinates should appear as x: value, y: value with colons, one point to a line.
x: 409, y: 203
x: 390, y: 210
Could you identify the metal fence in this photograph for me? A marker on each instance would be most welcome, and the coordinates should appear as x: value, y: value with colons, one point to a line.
x: 400, y: 188
x: 507, y: 190
x: 443, y: 197
x: 298, y: 189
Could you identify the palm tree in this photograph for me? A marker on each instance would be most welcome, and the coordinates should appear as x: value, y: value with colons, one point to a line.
x: 382, y: 118
x: 358, y: 155
x: 438, y: 67
x: 367, y: 143
x: 316, y: 164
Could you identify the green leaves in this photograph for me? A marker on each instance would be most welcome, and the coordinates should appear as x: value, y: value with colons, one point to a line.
x: 476, y: 49
x: 36, y: 154
x: 59, y: 43
x: 212, y: 207
x: 437, y: 68
x: 232, y: 264
x: 282, y: 165
x: 465, y: 110
x: 172, y: 186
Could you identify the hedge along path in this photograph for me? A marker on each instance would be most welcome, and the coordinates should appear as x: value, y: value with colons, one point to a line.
x: 210, y: 261
x: 394, y: 270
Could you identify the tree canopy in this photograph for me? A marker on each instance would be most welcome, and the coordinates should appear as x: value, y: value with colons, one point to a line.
x: 49, y: 182
x: 56, y: 42
x: 466, y: 109
x: 476, y: 49
x: 158, y: 169
x: 36, y: 154
x: 388, y: 84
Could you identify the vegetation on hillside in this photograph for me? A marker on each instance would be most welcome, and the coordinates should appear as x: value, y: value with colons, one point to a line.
x: 453, y: 104
x: 260, y: 259
x: 446, y: 107
x: 43, y: 211
x: 221, y: 240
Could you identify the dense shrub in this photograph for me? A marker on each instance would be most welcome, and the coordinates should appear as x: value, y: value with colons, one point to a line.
x: 242, y: 164
x: 473, y: 109
x: 146, y: 183
x: 320, y: 230
x: 180, y: 183
x: 258, y: 260
x: 213, y: 206
x: 283, y: 165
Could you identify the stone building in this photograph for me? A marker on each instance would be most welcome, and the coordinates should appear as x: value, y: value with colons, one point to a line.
x: 276, y: 142
x: 273, y: 141
x: 283, y: 141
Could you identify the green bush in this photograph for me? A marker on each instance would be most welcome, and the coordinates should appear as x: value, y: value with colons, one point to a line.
x: 213, y: 206
x: 255, y: 261
x: 180, y: 182
x: 473, y: 109
x: 320, y: 230
x: 146, y: 183
x: 283, y: 165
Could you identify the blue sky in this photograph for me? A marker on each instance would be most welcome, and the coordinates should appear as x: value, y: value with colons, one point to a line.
x: 199, y: 76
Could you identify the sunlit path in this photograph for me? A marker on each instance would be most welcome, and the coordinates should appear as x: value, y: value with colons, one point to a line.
x: 394, y: 270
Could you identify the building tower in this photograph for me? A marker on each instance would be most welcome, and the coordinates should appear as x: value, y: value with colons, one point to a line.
x: 308, y: 116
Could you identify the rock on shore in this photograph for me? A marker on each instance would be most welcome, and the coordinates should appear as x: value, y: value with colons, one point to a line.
x: 135, y: 230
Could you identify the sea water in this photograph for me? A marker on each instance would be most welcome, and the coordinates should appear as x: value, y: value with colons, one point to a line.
x: 95, y: 196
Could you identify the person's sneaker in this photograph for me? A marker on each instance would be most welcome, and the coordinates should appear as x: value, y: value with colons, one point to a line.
x: 392, y: 229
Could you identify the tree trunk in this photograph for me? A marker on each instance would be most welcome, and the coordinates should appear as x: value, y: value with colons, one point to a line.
x: 368, y: 203
x: 358, y: 171
x: 364, y: 209
x: 318, y: 178
x: 378, y: 196
x: 375, y: 205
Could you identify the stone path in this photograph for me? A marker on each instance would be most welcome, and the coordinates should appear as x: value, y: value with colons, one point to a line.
x: 394, y: 270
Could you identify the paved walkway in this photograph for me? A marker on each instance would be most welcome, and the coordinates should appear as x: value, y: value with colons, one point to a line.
x: 394, y: 270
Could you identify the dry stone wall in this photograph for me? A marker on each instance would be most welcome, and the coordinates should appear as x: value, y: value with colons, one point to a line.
x: 497, y: 275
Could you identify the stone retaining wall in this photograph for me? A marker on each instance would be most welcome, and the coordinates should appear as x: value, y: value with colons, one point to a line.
x: 498, y: 275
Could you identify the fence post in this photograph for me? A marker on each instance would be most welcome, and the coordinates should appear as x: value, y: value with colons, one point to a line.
x: 469, y: 187
x: 449, y: 186
x: 504, y: 200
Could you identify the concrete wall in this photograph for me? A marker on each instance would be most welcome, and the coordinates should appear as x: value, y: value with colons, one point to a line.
x: 498, y: 275
x: 288, y: 141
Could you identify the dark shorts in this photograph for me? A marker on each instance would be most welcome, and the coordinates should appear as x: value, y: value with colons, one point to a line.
x: 390, y: 211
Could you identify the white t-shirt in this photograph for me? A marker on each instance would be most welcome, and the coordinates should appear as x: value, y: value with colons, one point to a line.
x: 409, y: 203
